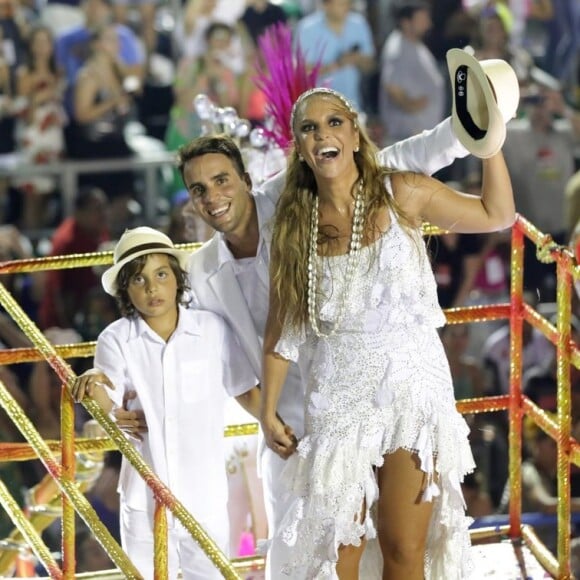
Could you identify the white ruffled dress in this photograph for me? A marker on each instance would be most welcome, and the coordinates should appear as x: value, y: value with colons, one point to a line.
x: 380, y: 383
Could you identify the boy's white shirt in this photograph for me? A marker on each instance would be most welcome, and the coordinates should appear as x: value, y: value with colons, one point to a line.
x: 182, y: 385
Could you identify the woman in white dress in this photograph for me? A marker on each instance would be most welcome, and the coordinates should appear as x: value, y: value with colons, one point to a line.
x: 354, y: 302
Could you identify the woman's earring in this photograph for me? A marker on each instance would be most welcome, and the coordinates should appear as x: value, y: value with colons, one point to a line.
x: 356, y: 149
x: 300, y: 158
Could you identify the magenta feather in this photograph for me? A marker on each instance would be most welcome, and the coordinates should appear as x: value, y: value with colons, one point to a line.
x: 283, y: 75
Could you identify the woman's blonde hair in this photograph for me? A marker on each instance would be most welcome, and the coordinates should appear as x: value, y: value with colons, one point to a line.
x: 291, y: 226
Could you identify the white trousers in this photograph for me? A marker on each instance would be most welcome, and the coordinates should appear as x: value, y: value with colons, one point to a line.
x: 183, y: 553
x: 276, y: 505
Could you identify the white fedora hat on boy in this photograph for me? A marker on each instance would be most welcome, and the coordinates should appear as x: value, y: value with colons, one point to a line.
x: 485, y: 97
x: 138, y: 242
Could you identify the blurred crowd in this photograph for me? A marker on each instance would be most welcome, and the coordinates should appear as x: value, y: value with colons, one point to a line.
x: 77, y: 77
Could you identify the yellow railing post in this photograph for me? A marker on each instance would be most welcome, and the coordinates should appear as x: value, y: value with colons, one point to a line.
x: 564, y: 297
x: 68, y: 462
x: 27, y: 531
x: 161, y: 558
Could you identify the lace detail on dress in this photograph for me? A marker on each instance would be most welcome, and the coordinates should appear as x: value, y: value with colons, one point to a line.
x: 379, y: 384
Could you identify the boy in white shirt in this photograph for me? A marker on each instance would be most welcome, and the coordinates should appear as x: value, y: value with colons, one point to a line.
x: 183, y: 364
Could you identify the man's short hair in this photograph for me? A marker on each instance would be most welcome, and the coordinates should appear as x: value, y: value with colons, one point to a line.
x: 220, y: 144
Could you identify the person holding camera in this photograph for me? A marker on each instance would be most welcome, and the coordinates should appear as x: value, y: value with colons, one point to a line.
x: 342, y: 41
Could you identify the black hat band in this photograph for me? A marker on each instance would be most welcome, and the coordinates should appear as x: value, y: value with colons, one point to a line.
x: 142, y: 247
x: 461, y: 105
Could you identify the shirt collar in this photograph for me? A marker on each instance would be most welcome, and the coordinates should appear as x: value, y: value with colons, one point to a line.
x: 224, y: 253
x: 186, y: 324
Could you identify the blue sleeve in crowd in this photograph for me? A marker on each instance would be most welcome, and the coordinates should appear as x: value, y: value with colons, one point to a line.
x: 131, y: 52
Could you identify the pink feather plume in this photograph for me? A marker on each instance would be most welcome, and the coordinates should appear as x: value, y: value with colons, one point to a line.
x: 282, y: 75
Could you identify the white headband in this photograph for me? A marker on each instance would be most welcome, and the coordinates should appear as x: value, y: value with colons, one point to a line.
x: 319, y: 91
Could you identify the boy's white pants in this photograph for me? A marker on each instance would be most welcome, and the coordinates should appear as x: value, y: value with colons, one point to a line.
x: 276, y: 503
x: 183, y: 553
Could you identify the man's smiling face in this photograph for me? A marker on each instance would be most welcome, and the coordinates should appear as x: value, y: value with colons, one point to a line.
x: 220, y: 195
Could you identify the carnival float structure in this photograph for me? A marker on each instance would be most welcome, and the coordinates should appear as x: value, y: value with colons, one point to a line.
x: 73, y: 463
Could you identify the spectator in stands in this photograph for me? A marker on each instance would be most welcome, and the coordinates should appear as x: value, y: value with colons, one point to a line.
x: 74, y: 46
x: 12, y: 55
x: 197, y: 16
x: 467, y: 375
x: 572, y: 204
x: 488, y: 447
x: 540, y: 382
x: 483, y: 490
x: 102, y: 109
x: 104, y: 496
x: 491, y: 266
x: 44, y: 386
x: 147, y: 10
x: 539, y: 483
x: 411, y: 89
x: 26, y: 288
x: 40, y: 136
x: 210, y: 74
x: 342, y: 40
x: 181, y: 227
x: 536, y: 350
x: 477, y: 499
x: 101, y: 104
x: 563, y: 44
x: 11, y: 472
x: 488, y: 441
x: 91, y: 557
x: 61, y: 15
x: 455, y: 261
x: 492, y: 40
x: 14, y: 33
x: 539, y: 152
x: 529, y: 28
x: 7, y: 124
x: 98, y: 312
x: 259, y: 15
x: 185, y: 223
x: 381, y: 20
x: 66, y: 290
x: 452, y: 27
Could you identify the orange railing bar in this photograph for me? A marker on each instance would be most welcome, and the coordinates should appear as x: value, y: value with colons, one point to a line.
x: 516, y: 403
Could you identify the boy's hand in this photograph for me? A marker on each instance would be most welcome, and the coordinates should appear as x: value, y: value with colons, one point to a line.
x: 132, y: 423
x: 86, y: 383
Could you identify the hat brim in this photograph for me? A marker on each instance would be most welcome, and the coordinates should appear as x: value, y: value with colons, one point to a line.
x: 109, y: 277
x: 485, y: 141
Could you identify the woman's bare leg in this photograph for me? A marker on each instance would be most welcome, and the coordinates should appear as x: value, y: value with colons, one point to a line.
x: 349, y: 561
x: 403, y: 520
x: 349, y: 557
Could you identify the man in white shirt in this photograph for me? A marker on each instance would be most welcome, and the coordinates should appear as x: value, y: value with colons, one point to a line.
x: 229, y: 274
